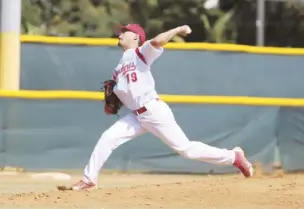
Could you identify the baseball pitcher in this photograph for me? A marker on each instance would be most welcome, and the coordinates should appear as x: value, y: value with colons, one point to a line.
x: 133, y: 86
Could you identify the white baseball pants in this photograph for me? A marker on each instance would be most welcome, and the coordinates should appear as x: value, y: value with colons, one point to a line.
x: 160, y: 121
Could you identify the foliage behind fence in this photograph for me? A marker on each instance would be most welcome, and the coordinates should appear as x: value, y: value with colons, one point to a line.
x: 232, y: 23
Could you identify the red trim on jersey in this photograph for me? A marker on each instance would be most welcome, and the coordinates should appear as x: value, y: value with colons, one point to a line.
x: 140, y: 55
x: 114, y: 77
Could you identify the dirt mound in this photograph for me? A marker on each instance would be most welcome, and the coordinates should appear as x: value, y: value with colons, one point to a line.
x: 136, y: 191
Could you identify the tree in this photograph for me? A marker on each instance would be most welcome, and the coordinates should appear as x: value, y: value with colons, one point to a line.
x: 284, y: 23
x: 232, y: 22
x: 93, y: 18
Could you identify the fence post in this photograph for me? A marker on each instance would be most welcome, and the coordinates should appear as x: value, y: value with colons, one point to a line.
x: 10, y: 20
x: 260, y: 23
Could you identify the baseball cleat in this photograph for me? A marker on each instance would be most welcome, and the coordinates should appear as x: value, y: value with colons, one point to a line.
x: 242, y: 163
x: 81, y: 185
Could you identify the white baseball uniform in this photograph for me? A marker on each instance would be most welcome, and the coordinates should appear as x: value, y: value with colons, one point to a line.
x: 136, y: 89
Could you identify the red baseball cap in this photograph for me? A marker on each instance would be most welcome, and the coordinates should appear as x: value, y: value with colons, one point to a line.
x: 135, y: 28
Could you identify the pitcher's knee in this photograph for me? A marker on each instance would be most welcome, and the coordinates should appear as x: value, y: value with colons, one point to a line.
x: 108, y: 139
x: 189, y: 152
x: 106, y: 135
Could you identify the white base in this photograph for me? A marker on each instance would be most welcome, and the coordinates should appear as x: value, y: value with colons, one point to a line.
x: 51, y: 175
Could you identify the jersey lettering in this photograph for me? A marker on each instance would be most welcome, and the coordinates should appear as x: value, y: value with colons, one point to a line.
x: 124, y: 69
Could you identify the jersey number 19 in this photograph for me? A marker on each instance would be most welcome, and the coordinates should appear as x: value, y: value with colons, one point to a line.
x: 131, y: 77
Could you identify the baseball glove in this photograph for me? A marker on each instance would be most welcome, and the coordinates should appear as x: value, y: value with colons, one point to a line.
x: 112, y: 102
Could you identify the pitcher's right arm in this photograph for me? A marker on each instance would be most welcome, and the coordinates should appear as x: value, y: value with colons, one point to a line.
x: 153, y: 48
x: 161, y: 39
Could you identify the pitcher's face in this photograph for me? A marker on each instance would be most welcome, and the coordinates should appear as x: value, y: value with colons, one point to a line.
x: 127, y: 38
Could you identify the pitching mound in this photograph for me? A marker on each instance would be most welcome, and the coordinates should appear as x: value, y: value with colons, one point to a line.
x: 157, y: 191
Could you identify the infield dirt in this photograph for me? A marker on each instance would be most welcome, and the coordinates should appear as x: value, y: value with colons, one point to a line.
x: 143, y: 191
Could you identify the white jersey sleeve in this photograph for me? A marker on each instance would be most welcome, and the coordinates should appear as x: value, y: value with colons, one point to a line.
x: 149, y: 52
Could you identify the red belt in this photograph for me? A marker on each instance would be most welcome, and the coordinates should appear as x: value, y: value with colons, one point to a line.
x: 142, y: 109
